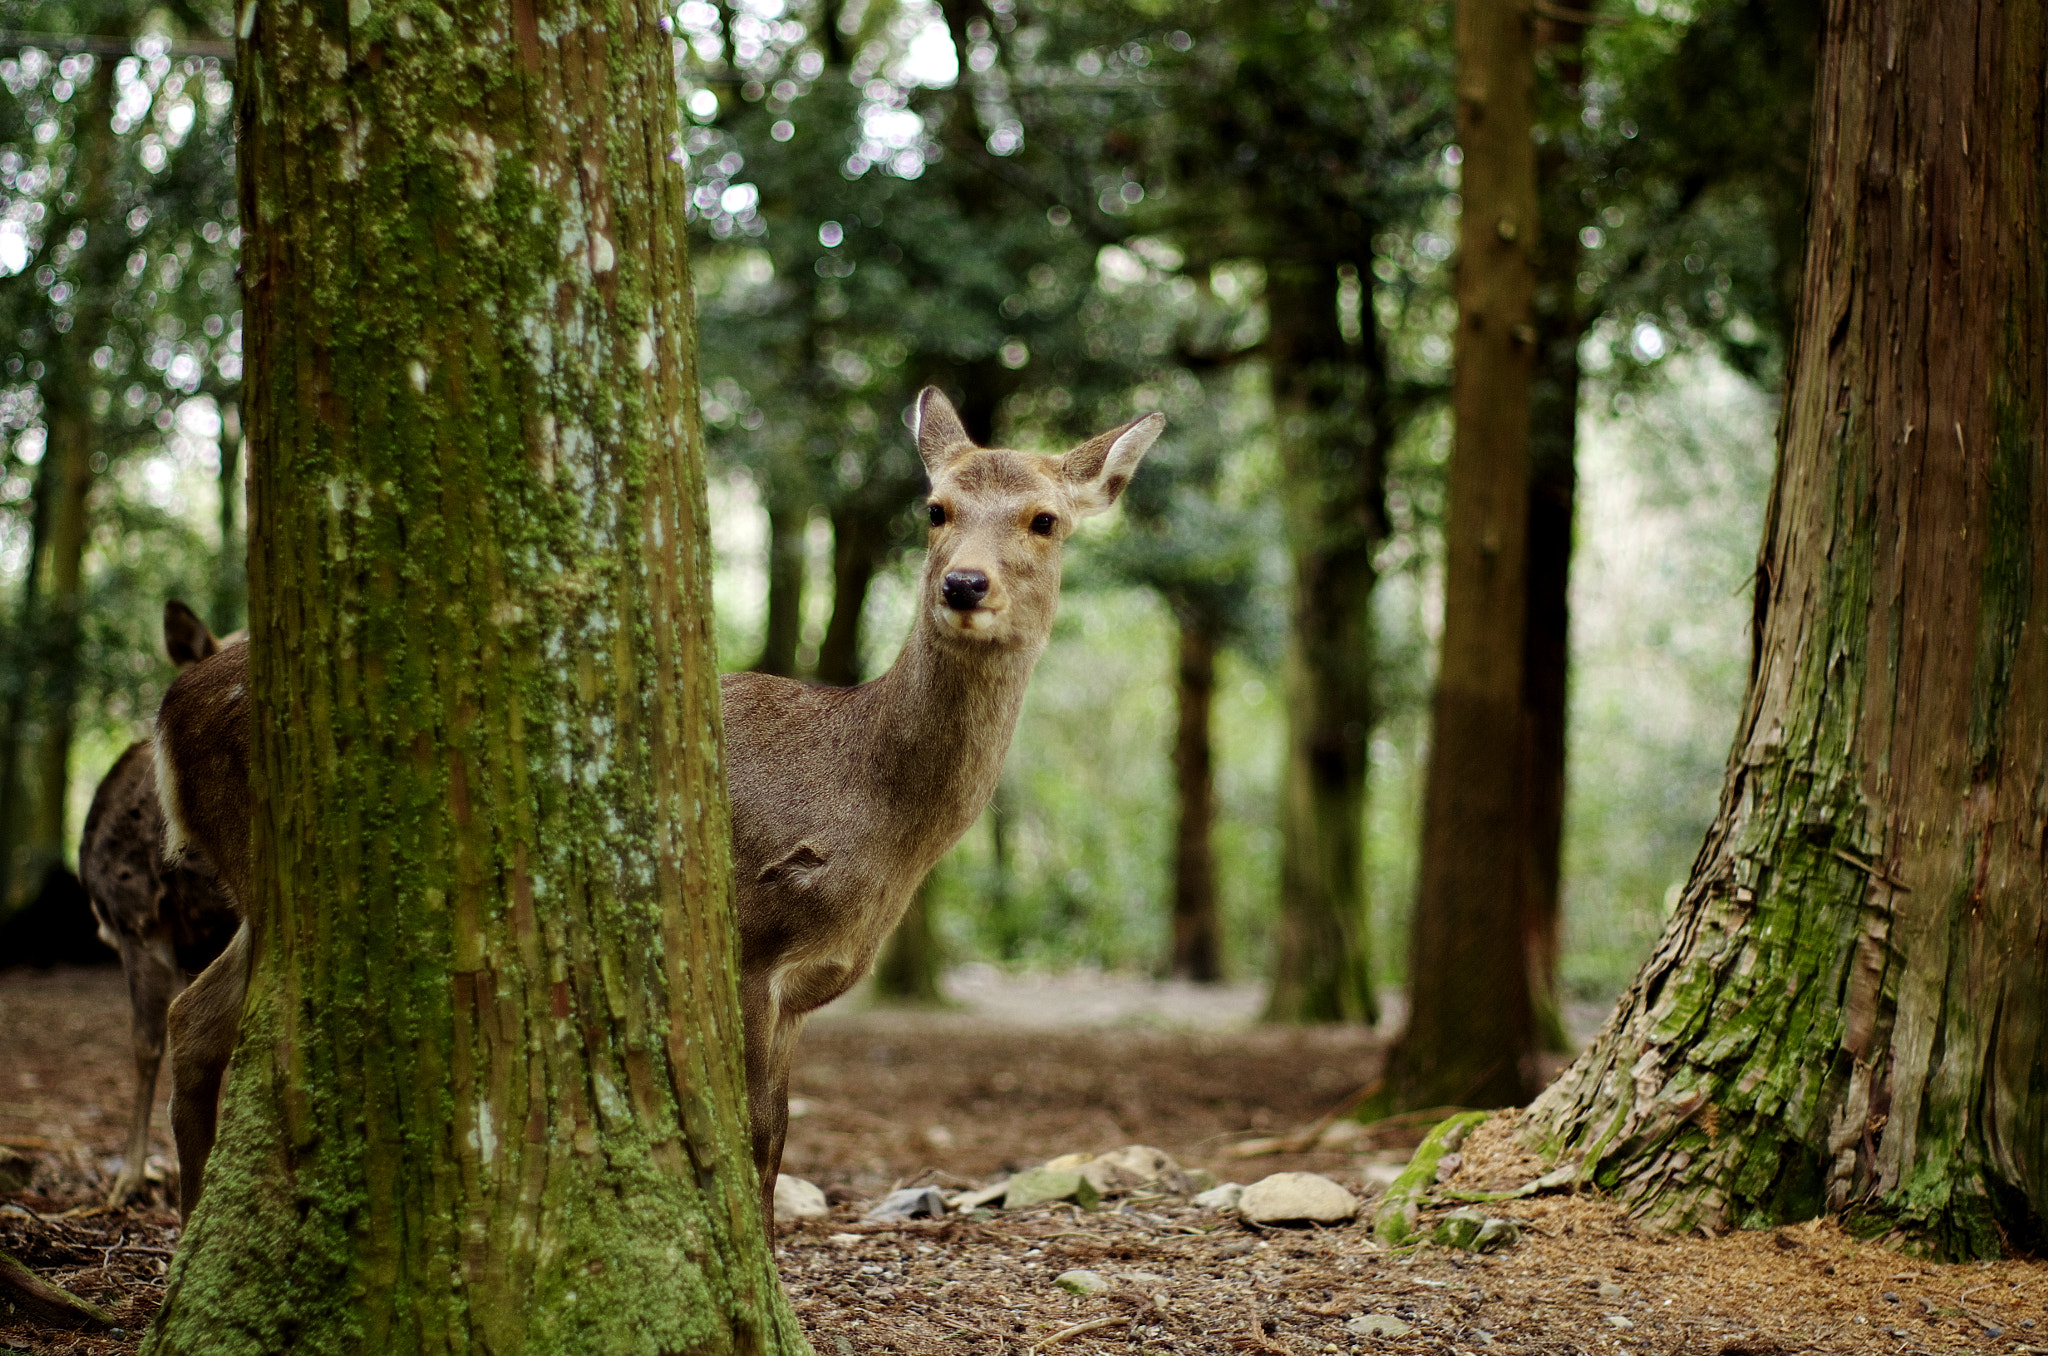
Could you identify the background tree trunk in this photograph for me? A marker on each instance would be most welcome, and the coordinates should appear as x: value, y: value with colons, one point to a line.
x: 1329, y: 409
x: 231, y: 578
x: 1847, y: 1010
x: 17, y: 688
x: 1470, y: 1036
x: 1197, y: 933
x: 908, y: 971
x: 1553, y: 490
x: 860, y: 543
x: 489, y: 1091
x: 787, y: 564
x: 71, y: 448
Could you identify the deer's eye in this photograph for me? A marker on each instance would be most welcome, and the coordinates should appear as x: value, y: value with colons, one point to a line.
x: 1043, y: 524
x: 938, y: 515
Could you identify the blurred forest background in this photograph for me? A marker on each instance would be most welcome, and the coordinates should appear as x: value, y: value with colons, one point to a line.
x: 1066, y: 214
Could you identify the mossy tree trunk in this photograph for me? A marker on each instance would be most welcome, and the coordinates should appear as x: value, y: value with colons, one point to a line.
x: 1846, y: 1012
x: 1330, y: 405
x: 489, y: 1093
x: 1470, y: 1035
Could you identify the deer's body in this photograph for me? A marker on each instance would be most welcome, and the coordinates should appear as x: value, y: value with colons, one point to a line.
x: 842, y: 799
x: 167, y: 920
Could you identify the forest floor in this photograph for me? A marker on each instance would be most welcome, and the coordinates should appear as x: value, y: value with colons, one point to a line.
x: 1028, y: 1069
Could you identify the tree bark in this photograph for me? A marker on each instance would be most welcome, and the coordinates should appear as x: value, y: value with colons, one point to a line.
x: 860, y: 541
x: 1197, y: 932
x: 1846, y: 1012
x: 71, y: 444
x: 489, y: 1090
x: 1470, y: 1035
x: 1329, y: 407
x: 17, y: 686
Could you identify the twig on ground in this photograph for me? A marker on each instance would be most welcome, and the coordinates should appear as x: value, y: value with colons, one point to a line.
x: 49, y: 1302
x: 1064, y: 1333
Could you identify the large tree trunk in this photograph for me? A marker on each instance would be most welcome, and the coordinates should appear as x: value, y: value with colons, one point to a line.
x: 1197, y: 933
x: 1847, y: 1010
x: 1553, y: 490
x: 489, y: 1092
x: 1329, y: 406
x: 1471, y: 1032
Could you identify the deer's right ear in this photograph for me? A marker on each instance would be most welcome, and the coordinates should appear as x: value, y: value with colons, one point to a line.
x: 186, y: 638
x: 940, y: 435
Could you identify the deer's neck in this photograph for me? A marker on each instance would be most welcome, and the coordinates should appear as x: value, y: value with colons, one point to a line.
x: 942, y: 719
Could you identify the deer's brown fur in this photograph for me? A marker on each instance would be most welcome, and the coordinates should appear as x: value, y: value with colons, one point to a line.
x: 842, y: 799
x: 166, y: 920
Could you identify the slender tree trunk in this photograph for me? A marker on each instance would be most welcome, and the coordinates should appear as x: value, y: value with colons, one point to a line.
x: 908, y: 971
x: 70, y: 443
x: 1197, y: 933
x: 860, y: 540
x: 231, y: 576
x: 1328, y: 403
x: 489, y: 1091
x: 1471, y: 1034
x: 786, y: 568
x: 1553, y: 488
x: 17, y: 686
x: 1848, y: 1009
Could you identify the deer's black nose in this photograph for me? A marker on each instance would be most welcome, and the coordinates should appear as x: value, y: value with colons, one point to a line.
x: 965, y: 589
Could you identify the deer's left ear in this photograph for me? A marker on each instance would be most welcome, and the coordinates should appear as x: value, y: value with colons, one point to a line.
x: 1097, y: 471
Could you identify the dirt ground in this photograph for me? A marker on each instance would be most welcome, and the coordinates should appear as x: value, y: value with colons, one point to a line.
x: 892, y: 1098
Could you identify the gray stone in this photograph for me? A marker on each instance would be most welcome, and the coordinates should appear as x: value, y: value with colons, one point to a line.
x: 1619, y: 1321
x: 1222, y: 1198
x: 909, y: 1203
x: 1082, y: 1282
x: 1609, y: 1290
x: 1038, y: 1186
x: 1296, y: 1197
x: 1378, y: 1325
x: 797, y: 1199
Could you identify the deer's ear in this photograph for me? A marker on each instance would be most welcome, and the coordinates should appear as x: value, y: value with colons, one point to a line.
x: 186, y: 638
x: 1097, y: 471
x: 940, y: 434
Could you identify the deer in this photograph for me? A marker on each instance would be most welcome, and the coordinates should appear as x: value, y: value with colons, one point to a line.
x: 167, y: 921
x: 843, y: 799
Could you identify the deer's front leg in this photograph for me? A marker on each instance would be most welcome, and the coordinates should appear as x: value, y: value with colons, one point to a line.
x: 771, y: 1034
x: 205, y: 1021
x: 151, y: 968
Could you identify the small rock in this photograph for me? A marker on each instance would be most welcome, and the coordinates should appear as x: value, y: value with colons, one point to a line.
x: 1459, y: 1229
x: 844, y: 1240
x: 1619, y: 1321
x: 1037, y: 1186
x: 1609, y: 1290
x: 1378, y: 1325
x: 1994, y: 1332
x: 1891, y: 1297
x: 1222, y: 1198
x: 15, y: 1170
x: 1139, y: 1164
x: 1496, y: 1234
x: 909, y: 1203
x: 1082, y: 1282
x: 1296, y: 1197
x: 1447, y: 1166
x: 797, y: 1199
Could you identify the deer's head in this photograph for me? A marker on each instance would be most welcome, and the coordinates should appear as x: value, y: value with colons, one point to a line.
x: 1000, y: 518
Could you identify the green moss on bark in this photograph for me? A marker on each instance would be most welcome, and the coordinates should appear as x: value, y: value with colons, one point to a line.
x: 489, y: 1092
